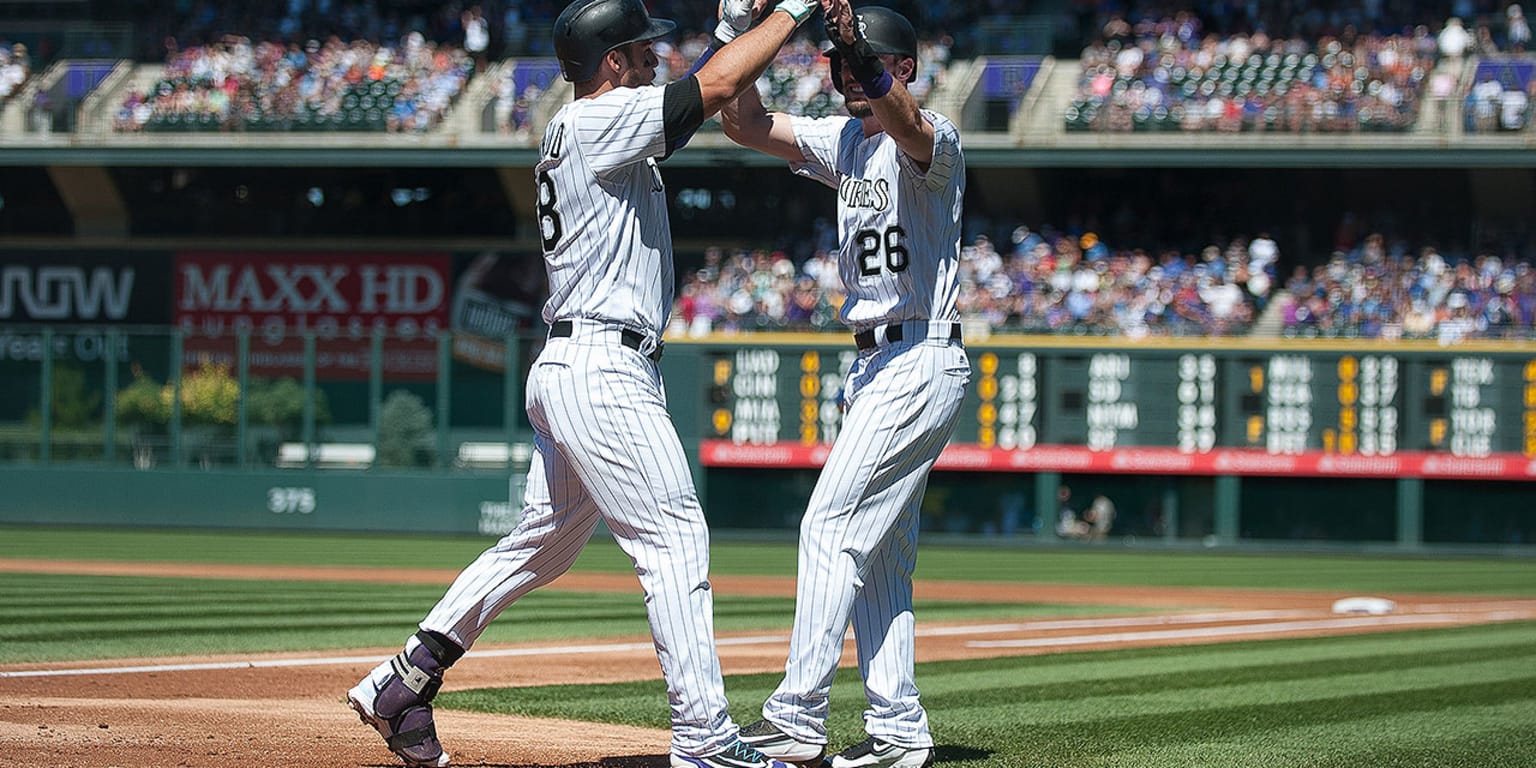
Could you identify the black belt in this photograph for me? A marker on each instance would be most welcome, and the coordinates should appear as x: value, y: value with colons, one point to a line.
x: 893, y: 334
x: 633, y: 339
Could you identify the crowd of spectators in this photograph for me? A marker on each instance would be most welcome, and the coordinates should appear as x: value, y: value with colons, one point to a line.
x: 1040, y: 282
x: 1170, y: 74
x: 1382, y: 288
x: 200, y: 22
x: 1061, y: 283
x: 1497, y: 21
x: 357, y: 85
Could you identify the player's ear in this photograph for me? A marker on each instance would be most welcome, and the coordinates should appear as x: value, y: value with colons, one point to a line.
x: 617, y: 59
x: 906, y: 70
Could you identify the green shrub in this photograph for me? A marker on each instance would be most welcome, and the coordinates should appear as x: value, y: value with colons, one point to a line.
x: 404, y: 423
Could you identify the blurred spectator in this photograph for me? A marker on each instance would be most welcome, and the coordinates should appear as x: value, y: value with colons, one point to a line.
x: 477, y: 35
x: 1454, y: 40
x: 1517, y: 30
x: 15, y: 68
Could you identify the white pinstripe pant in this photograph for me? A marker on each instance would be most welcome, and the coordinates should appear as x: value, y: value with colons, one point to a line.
x: 858, y: 542
x: 606, y: 447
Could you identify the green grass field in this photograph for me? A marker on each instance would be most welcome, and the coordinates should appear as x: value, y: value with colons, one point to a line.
x: 47, y: 617
x: 1443, y: 698
x: 1108, y: 565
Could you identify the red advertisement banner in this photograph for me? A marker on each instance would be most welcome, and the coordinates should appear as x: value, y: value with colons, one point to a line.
x: 1154, y: 461
x: 342, y: 298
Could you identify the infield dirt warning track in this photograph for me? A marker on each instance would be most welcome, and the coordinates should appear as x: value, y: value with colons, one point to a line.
x: 285, y: 709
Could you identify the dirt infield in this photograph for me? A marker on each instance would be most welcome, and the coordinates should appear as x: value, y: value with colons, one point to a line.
x: 286, y: 710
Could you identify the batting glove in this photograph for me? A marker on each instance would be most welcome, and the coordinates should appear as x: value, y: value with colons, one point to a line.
x: 735, y: 18
x: 861, y: 58
x: 799, y: 10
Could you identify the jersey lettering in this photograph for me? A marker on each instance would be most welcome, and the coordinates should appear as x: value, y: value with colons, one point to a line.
x: 874, y: 194
x: 550, y: 229
x: 554, y: 142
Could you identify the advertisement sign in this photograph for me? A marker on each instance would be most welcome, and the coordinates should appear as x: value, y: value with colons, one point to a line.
x: 497, y: 294
x: 342, y: 298
x: 90, y: 288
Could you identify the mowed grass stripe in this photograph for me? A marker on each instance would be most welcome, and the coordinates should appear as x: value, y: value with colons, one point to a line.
x: 1236, y: 661
x: 1270, y: 715
x: 1220, y: 696
x: 1093, y: 681
x: 1486, y: 735
x: 1061, y: 742
x: 1107, y: 566
x: 58, y: 617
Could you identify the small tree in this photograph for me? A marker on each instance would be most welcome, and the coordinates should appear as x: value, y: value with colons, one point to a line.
x: 140, y: 404
x: 404, y: 422
x: 280, y: 403
x: 209, y: 395
x: 73, y: 406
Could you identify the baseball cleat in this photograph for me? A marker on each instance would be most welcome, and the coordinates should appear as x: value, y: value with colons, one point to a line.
x: 766, y: 738
x: 737, y: 755
x: 874, y: 753
x: 395, y: 699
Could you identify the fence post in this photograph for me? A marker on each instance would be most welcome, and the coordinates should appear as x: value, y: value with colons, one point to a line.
x: 242, y: 409
x: 444, y: 382
x: 309, y: 400
x: 1229, y: 491
x: 376, y: 390
x: 1410, y: 513
x: 177, y: 458
x: 109, y: 398
x: 1047, y: 506
x: 45, y: 436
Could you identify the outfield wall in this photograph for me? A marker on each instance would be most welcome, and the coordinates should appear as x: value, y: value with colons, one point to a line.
x: 332, y: 500
x: 1215, y: 440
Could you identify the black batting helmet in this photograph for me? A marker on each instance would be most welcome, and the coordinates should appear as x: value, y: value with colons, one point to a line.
x: 588, y: 29
x: 887, y: 32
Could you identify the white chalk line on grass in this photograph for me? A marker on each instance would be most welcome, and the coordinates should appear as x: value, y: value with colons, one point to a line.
x: 1240, y: 630
x: 1268, y: 623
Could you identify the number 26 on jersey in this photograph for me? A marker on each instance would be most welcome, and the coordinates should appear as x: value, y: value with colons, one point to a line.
x: 877, y: 249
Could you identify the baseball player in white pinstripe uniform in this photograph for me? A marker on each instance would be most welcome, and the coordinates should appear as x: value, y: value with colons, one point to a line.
x: 900, y: 178
x: 605, y: 447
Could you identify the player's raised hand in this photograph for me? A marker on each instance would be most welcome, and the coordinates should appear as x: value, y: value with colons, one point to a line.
x: 838, y: 15
x: 736, y: 17
x: 799, y: 10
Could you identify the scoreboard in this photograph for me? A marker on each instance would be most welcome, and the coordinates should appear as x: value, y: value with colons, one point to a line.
x: 1296, y: 408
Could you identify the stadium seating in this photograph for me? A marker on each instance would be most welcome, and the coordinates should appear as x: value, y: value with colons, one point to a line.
x: 355, y: 87
x: 1375, y: 87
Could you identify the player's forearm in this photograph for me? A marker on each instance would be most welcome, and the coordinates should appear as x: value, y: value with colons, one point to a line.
x: 903, y: 121
x: 736, y: 67
x: 745, y: 119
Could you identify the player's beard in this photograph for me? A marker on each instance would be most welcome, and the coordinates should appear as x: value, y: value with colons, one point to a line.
x: 638, y: 73
x: 859, y: 107
x: 855, y: 101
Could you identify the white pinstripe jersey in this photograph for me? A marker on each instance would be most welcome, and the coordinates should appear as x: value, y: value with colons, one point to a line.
x: 602, y: 211
x: 899, y: 228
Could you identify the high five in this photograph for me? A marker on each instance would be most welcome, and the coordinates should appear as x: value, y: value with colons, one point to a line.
x: 900, y: 177
x: 604, y: 446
